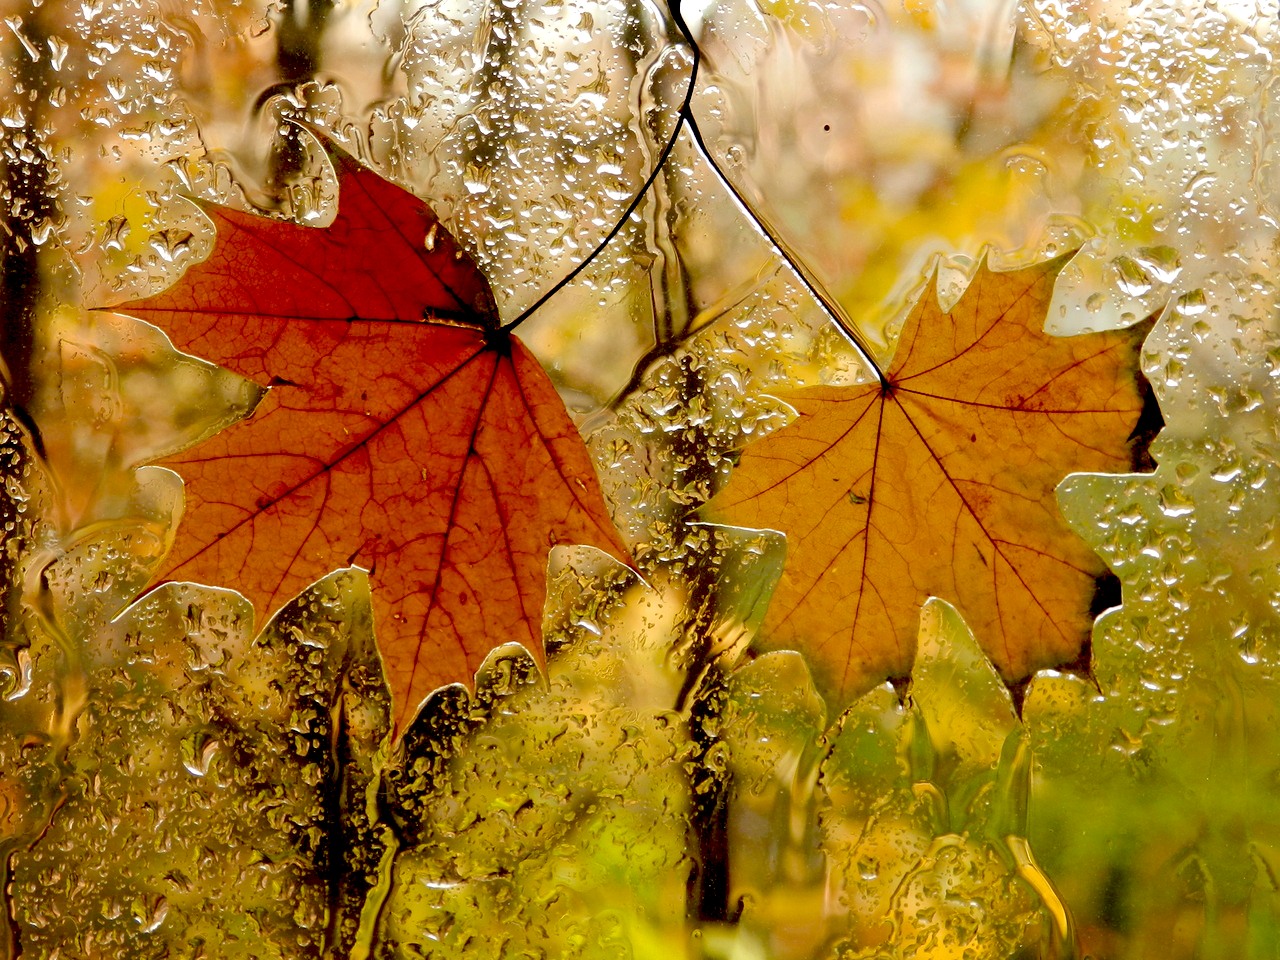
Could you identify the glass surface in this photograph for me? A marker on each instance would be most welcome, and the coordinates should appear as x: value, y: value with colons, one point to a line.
x: 222, y: 626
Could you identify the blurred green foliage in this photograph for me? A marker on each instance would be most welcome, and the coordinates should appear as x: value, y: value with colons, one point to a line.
x: 177, y: 781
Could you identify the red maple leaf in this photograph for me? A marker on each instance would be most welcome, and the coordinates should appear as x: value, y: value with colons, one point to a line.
x: 405, y: 430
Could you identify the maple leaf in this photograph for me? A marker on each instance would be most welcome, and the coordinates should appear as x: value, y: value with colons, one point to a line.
x: 405, y: 430
x: 939, y: 480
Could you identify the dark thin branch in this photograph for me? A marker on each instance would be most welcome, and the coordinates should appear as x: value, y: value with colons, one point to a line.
x: 662, y: 349
x: 28, y: 179
x: 298, y: 50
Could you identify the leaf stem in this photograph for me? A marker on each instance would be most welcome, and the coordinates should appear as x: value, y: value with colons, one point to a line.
x: 811, y: 283
x: 683, y: 116
x: 815, y: 287
x: 686, y: 120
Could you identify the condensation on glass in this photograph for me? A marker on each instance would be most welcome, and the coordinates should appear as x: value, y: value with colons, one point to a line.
x: 178, y: 780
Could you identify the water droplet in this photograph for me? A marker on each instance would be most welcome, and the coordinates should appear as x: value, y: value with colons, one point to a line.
x: 58, y: 50
x: 171, y: 244
x: 1130, y: 277
x: 1191, y: 304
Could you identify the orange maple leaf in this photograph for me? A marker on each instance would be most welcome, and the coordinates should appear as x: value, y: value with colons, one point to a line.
x: 404, y: 430
x: 939, y: 481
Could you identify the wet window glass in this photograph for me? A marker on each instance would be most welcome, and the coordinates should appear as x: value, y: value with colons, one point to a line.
x: 598, y: 478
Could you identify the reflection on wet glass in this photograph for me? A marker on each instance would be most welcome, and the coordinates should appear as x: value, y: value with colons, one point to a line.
x: 177, y: 779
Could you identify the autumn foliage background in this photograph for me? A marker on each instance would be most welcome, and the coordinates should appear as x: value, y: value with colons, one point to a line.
x: 181, y: 777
